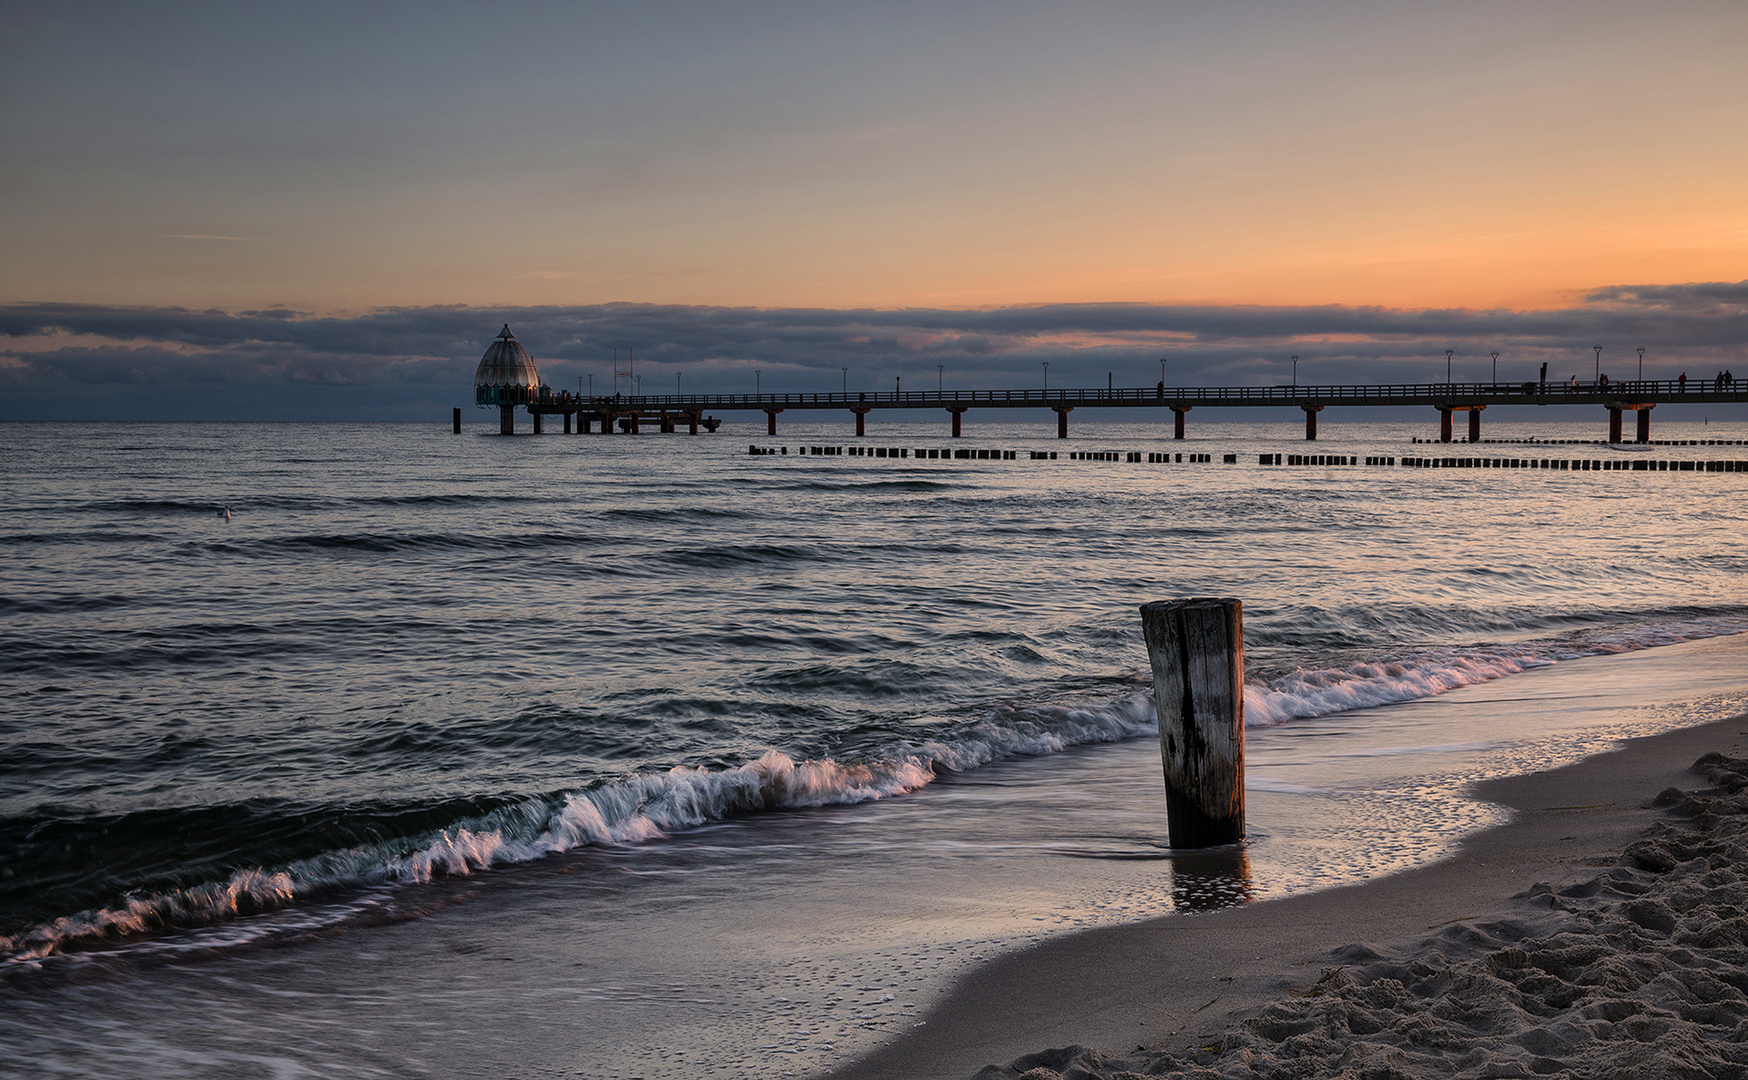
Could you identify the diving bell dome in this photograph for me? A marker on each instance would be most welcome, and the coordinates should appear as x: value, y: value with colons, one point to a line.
x: 506, y: 373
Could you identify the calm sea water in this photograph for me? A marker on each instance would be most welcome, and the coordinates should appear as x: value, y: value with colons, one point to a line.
x: 641, y: 756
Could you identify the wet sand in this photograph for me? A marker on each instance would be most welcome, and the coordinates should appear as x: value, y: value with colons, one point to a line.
x: 1200, y: 990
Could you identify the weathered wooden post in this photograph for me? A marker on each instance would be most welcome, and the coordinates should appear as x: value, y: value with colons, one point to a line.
x: 1196, y: 649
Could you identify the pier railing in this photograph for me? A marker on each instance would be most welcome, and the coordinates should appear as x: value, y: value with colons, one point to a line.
x: 1438, y: 395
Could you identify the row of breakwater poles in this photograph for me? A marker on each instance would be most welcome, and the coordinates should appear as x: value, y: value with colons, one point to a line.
x: 1635, y: 463
x: 667, y: 421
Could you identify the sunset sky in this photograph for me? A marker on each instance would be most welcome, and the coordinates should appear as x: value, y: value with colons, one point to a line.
x: 1478, y: 176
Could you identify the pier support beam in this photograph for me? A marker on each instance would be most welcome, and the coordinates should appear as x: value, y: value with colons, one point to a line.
x: 771, y: 421
x: 957, y: 414
x: 1444, y: 425
x: 1614, y: 424
x: 1062, y: 412
x: 458, y: 421
x: 692, y: 417
x: 1177, y: 420
x: 1644, y: 424
x: 1196, y: 650
x: 1311, y: 412
x: 583, y: 422
x: 1475, y: 422
x: 567, y: 423
x: 506, y: 419
x: 861, y: 421
x: 606, y: 422
x: 536, y: 416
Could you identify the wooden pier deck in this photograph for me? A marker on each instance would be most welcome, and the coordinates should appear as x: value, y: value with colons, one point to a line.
x: 1617, y: 397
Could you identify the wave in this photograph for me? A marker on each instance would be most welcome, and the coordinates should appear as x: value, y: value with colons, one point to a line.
x: 642, y: 807
x: 1314, y: 692
x: 631, y: 810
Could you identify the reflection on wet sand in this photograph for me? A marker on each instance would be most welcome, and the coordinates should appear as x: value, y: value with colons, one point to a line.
x: 1211, y: 878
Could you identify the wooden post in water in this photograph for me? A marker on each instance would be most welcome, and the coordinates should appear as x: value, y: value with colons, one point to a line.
x: 1196, y: 649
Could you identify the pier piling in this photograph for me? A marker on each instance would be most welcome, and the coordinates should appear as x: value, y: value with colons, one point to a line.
x: 1196, y: 649
x: 1311, y: 412
x: 457, y: 421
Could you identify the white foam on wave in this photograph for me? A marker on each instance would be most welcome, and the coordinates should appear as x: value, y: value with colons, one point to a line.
x: 634, y: 809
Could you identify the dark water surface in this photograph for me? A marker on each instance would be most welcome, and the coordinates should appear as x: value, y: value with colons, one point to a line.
x: 644, y: 749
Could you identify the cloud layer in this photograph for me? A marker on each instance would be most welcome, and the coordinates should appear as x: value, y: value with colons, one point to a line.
x: 95, y: 361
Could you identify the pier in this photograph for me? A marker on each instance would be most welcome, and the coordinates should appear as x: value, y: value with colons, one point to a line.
x: 667, y: 412
x: 507, y: 380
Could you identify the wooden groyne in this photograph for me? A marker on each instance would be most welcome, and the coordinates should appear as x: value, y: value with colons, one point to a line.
x: 1635, y: 463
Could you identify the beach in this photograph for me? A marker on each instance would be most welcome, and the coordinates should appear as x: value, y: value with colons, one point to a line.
x: 443, y: 756
x: 1411, y: 975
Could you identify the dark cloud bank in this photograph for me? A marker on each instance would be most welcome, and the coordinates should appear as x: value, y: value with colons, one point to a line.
x: 76, y: 361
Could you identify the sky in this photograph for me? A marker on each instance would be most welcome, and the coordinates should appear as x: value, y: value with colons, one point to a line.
x: 340, y: 204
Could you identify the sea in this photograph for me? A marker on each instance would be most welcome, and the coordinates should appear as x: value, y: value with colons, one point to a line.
x: 373, y: 750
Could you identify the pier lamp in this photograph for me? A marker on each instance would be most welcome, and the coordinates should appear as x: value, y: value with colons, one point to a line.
x: 1598, y: 375
x: 591, y: 384
x: 1448, y: 353
x: 1295, y: 372
x: 1046, y: 376
x: 846, y: 382
x: 1641, y: 365
x: 1495, y: 367
x: 940, y: 378
x: 1162, y: 368
x: 756, y: 390
x: 676, y: 384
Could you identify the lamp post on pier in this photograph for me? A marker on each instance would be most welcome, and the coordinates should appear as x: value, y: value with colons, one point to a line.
x: 940, y: 378
x: 756, y: 391
x: 1295, y: 371
x: 1496, y: 368
x: 1641, y: 365
x: 1448, y: 353
x: 1046, y: 376
x: 1597, y: 377
x: 846, y: 382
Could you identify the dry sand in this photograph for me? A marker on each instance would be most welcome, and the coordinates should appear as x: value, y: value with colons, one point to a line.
x: 1603, y: 932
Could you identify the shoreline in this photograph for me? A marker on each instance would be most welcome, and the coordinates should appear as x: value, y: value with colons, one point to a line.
x: 1172, y: 983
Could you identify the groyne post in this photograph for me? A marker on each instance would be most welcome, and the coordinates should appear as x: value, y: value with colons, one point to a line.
x: 1196, y: 649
